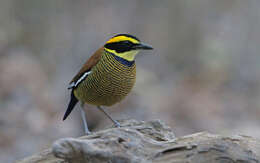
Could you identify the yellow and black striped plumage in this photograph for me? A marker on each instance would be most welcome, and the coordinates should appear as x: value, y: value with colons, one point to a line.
x: 108, y: 83
x: 108, y: 75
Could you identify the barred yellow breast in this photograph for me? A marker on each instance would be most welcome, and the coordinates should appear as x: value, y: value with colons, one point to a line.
x: 108, y: 83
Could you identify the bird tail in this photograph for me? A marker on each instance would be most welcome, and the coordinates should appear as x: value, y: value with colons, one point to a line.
x: 73, y: 102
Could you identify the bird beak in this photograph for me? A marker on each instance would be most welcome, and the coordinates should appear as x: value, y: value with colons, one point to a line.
x: 142, y: 46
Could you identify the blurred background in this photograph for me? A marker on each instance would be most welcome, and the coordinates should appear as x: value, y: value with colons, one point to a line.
x: 202, y: 75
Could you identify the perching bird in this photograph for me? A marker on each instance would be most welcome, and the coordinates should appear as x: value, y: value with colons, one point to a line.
x: 107, y: 76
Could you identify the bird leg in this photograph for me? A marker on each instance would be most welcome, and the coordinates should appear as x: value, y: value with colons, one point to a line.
x: 83, y: 116
x: 117, y: 124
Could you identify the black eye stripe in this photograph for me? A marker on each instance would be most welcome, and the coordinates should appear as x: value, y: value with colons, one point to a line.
x: 121, y: 46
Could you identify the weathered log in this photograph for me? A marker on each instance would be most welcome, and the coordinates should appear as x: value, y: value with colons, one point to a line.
x: 147, y: 142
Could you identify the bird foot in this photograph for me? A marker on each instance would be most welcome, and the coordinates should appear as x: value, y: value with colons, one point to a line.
x: 88, y: 132
x: 117, y: 124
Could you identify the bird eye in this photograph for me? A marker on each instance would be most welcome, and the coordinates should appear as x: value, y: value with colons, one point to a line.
x: 127, y: 44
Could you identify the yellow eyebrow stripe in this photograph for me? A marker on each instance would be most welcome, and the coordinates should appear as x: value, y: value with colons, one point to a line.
x: 122, y: 38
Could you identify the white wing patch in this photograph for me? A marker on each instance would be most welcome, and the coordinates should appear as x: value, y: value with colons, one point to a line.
x: 75, y: 84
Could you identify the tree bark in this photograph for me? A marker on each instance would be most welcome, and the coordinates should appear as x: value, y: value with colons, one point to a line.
x: 138, y: 141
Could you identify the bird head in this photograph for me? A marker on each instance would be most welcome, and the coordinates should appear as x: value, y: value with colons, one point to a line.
x: 125, y: 46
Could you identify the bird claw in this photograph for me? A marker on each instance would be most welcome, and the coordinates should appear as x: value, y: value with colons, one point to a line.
x: 88, y: 132
x: 117, y: 124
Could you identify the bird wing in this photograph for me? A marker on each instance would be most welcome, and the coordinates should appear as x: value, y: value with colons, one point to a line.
x: 86, y: 68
